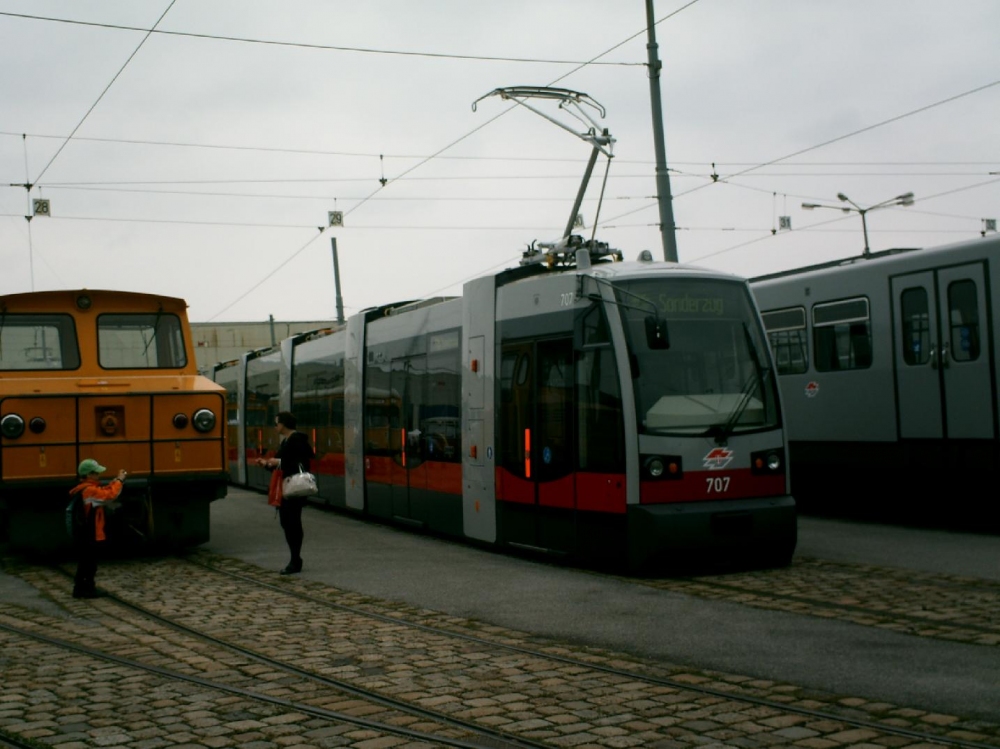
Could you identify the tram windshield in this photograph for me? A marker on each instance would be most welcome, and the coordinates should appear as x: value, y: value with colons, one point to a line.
x: 711, y: 375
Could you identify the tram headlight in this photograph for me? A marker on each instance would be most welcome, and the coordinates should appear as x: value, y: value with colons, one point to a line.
x: 181, y: 421
x: 203, y: 420
x: 766, y: 462
x: 661, y: 467
x: 12, y: 426
x: 655, y: 467
x: 37, y: 425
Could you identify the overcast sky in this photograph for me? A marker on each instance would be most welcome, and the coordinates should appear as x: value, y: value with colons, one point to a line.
x: 204, y: 167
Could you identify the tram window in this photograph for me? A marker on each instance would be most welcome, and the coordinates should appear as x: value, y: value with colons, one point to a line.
x: 595, y: 327
x: 262, y: 390
x: 916, y: 326
x: 600, y: 426
x: 515, y: 406
x: 140, y: 341
x: 554, y: 409
x: 409, y: 380
x: 963, y: 318
x: 441, y: 417
x: 318, y: 397
x: 29, y: 342
x: 842, y: 336
x: 786, y: 332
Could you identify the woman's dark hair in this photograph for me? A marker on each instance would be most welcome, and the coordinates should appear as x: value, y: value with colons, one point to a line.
x: 287, y: 418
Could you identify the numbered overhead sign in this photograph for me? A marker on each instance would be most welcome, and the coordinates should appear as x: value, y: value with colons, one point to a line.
x: 784, y: 222
x: 335, y: 218
x: 40, y: 207
x: 989, y: 224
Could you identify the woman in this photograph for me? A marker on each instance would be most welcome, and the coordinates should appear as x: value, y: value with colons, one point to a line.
x: 294, y: 454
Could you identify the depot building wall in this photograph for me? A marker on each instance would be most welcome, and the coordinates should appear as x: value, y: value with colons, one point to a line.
x: 219, y: 342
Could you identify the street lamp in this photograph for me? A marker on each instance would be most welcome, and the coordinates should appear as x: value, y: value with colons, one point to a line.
x: 904, y: 199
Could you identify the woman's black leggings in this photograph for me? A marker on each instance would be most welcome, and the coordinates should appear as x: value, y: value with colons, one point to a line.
x: 290, y: 514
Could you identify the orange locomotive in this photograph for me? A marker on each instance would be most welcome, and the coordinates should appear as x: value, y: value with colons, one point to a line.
x: 107, y: 375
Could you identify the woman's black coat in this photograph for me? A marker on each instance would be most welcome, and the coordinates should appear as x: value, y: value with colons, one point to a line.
x: 294, y: 451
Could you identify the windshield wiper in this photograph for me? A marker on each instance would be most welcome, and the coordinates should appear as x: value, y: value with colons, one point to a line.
x: 156, y: 327
x: 759, y: 376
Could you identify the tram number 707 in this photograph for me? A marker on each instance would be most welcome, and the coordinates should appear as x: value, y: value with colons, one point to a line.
x: 717, y: 485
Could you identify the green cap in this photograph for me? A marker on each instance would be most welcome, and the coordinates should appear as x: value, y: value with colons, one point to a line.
x: 90, y: 466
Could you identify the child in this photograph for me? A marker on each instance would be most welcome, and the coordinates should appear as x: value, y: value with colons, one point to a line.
x: 94, y: 498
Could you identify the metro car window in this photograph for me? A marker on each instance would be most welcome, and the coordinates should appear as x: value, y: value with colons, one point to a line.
x: 786, y: 332
x: 38, y: 342
x: 151, y: 340
x: 963, y: 320
x: 842, y: 335
x: 916, y: 326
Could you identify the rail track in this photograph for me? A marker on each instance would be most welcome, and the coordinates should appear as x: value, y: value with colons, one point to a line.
x: 436, y: 652
x: 945, y: 607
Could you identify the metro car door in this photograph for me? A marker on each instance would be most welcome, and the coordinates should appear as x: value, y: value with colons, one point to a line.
x: 965, y: 352
x: 942, y: 333
x: 917, y: 341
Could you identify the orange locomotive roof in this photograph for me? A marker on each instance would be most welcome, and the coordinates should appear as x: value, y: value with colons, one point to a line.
x: 104, y: 299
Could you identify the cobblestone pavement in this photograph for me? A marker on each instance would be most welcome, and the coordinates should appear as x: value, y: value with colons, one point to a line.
x: 946, y: 607
x: 46, y: 693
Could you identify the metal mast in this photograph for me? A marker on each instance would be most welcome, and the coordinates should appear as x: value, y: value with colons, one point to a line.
x: 665, y: 199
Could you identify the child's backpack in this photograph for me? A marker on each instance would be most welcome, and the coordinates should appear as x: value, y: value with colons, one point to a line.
x: 76, y: 518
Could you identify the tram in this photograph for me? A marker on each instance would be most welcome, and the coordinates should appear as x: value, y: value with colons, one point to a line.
x: 576, y: 405
x: 888, y: 369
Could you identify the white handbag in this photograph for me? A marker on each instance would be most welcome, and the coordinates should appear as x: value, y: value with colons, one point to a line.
x: 301, y: 484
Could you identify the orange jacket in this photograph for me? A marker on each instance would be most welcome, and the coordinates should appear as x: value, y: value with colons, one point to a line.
x: 94, y: 496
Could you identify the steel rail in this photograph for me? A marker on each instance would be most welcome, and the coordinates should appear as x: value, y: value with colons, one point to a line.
x: 318, y: 712
x: 659, y: 681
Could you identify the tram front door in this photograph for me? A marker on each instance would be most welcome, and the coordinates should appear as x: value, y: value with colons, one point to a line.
x: 537, y: 445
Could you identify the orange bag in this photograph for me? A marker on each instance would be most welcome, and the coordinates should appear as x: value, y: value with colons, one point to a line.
x: 274, y: 490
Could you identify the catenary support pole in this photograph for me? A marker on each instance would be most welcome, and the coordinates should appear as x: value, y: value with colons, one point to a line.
x: 336, y: 282
x: 667, y: 229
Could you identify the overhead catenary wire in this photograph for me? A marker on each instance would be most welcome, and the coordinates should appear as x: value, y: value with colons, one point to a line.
x: 853, y: 133
x: 839, y: 138
x: 403, y: 156
x: 844, y: 218
x: 106, y: 89
x: 307, y: 45
x: 450, y: 145
x: 381, y: 196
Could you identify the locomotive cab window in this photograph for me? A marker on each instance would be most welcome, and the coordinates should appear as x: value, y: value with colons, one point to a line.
x: 141, y: 341
x: 842, y: 335
x: 34, y: 342
x: 786, y: 332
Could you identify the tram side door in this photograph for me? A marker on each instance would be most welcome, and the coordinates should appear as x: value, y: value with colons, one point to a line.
x: 405, y: 400
x: 537, y: 439
x: 942, y: 354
